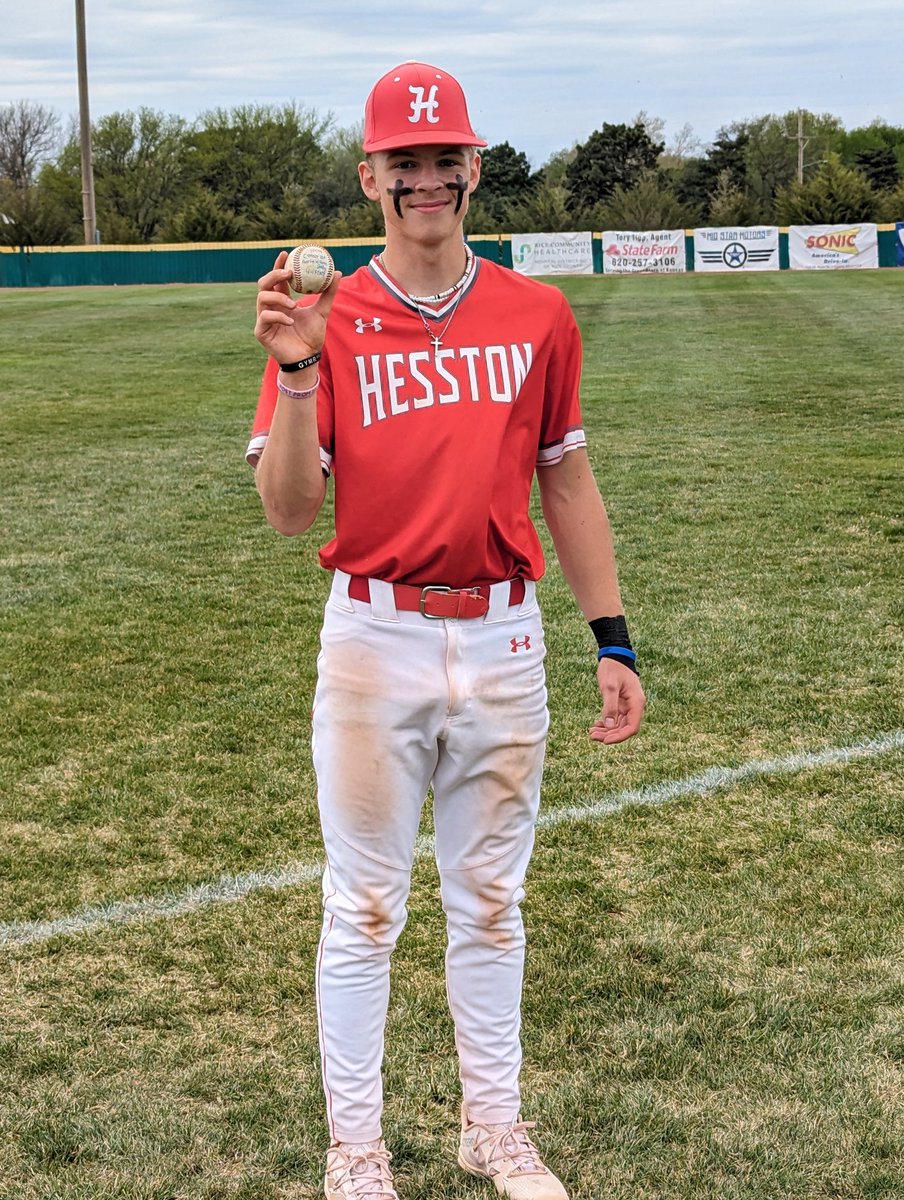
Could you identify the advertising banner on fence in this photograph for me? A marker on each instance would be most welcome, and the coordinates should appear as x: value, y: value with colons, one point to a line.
x: 552, y: 253
x: 899, y: 230
x: 754, y: 248
x: 659, y: 250
x: 828, y: 247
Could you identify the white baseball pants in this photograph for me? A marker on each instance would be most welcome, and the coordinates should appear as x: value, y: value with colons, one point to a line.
x: 404, y: 702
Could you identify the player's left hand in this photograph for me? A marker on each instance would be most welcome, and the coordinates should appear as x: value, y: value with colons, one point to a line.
x: 623, y: 703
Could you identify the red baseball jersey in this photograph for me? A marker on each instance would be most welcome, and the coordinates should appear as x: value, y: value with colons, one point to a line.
x: 433, y: 447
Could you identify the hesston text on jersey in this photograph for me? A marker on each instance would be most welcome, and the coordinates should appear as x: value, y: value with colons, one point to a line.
x: 394, y: 384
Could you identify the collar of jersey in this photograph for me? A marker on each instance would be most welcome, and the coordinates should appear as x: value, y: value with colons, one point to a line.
x: 386, y: 281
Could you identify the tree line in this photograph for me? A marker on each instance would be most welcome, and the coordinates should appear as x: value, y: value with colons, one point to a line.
x: 265, y: 172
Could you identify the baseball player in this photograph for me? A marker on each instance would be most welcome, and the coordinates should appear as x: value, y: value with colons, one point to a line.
x: 432, y: 386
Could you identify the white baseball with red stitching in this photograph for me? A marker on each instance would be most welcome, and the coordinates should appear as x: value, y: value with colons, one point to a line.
x: 312, y: 268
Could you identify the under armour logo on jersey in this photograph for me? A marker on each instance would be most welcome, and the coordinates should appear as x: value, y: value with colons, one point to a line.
x: 376, y: 325
x: 419, y: 105
x: 521, y: 643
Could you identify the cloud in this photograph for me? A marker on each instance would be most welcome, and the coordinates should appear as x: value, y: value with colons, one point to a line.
x: 538, y: 75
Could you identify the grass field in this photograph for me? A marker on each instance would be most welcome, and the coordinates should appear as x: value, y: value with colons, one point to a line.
x: 715, y: 990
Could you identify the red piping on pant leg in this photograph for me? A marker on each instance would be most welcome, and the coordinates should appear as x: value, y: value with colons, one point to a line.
x: 328, y: 1096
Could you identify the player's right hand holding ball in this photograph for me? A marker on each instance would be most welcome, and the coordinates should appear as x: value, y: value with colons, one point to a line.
x: 287, y: 331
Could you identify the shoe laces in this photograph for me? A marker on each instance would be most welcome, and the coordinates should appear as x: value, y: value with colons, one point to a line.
x: 511, y: 1142
x: 363, y: 1169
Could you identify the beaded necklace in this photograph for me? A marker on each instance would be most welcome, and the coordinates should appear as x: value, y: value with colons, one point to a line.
x: 441, y: 296
x: 420, y: 301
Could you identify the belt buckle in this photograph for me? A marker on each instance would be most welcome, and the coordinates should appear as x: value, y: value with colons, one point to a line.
x: 424, y: 591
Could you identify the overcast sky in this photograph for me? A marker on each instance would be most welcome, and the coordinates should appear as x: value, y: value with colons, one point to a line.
x: 539, y: 75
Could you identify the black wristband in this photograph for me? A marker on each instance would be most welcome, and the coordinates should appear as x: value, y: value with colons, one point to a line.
x: 612, y: 640
x: 312, y: 361
x: 611, y: 631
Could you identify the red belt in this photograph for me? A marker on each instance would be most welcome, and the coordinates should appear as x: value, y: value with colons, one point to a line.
x: 438, y: 602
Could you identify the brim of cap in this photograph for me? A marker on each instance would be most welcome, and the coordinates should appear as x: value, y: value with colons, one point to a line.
x: 427, y: 138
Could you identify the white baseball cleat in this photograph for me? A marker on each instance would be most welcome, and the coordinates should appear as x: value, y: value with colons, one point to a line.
x: 359, y: 1171
x: 507, y: 1156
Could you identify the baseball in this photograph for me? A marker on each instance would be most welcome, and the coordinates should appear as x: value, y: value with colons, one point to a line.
x: 312, y: 268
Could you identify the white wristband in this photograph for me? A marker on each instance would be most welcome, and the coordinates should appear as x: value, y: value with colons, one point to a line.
x: 293, y: 394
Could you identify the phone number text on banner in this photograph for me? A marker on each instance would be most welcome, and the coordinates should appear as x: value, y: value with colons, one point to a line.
x: 630, y: 251
x: 552, y: 253
x: 830, y: 247
x: 754, y: 248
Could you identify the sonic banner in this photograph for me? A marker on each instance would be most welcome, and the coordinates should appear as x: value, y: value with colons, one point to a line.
x: 899, y: 231
x: 827, y: 247
x: 552, y: 253
x: 721, y: 249
x: 661, y: 250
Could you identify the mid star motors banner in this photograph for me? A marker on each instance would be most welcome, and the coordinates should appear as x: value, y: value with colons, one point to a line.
x: 828, y: 247
x: 899, y: 231
x: 754, y: 248
x: 659, y: 250
x: 552, y: 253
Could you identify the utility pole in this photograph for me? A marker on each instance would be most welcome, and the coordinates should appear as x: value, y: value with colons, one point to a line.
x: 88, y: 211
x: 801, y: 143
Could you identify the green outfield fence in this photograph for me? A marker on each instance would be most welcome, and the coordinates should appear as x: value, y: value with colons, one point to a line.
x: 238, y: 262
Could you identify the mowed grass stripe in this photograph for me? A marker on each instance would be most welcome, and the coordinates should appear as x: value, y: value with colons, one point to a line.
x: 232, y: 888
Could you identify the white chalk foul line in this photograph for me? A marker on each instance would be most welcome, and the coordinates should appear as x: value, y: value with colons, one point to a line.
x: 717, y: 779
x: 230, y: 888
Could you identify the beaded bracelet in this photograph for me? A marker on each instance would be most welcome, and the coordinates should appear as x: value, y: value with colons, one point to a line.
x: 293, y: 394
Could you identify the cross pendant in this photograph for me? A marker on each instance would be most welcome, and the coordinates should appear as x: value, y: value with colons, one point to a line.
x: 437, y: 342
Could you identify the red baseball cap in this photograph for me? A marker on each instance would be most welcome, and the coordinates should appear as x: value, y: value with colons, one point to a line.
x: 417, y: 105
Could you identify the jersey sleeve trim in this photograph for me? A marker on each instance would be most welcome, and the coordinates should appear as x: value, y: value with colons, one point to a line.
x: 554, y: 452
x: 255, y: 449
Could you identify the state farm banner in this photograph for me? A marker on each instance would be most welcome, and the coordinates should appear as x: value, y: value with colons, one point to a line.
x: 828, y: 247
x: 899, y: 230
x: 629, y: 251
x: 552, y: 253
x: 719, y: 248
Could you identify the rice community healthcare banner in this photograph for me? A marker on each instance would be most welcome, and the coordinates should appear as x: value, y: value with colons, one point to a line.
x: 830, y: 247
x: 552, y: 253
x: 753, y: 248
x: 627, y: 252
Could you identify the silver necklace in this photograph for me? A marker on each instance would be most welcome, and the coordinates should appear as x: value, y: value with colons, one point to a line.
x: 420, y: 301
x: 437, y: 338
